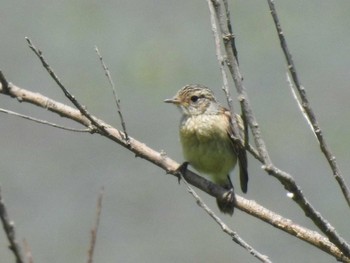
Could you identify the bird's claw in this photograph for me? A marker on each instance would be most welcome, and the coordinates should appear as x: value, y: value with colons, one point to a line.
x: 181, y: 171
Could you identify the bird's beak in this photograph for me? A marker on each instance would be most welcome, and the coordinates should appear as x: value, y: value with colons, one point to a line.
x: 174, y: 100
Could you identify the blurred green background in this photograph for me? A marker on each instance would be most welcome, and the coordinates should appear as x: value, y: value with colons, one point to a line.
x: 50, y: 178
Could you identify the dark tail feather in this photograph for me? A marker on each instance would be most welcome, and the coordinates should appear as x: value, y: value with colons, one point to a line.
x: 243, y: 169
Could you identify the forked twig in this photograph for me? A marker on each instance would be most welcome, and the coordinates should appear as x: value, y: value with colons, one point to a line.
x: 309, y: 113
x: 164, y: 162
x: 286, y: 179
x: 116, y: 99
x: 75, y: 102
x: 220, y: 57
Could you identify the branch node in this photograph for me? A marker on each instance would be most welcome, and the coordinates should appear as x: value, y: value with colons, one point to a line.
x: 228, y: 37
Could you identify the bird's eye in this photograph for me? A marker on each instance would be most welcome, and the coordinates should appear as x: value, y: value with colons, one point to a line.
x: 194, y: 98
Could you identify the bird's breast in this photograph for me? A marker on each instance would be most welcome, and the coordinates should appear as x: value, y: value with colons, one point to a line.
x: 207, y: 145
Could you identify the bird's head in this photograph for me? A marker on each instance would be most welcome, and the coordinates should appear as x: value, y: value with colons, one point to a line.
x: 195, y: 99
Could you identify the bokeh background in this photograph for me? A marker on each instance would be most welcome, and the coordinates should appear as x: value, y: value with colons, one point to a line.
x: 51, y: 178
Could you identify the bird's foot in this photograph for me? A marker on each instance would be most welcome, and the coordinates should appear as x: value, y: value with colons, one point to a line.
x: 181, y: 171
x: 227, y: 202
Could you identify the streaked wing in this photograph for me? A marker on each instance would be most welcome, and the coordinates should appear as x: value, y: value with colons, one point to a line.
x: 240, y: 151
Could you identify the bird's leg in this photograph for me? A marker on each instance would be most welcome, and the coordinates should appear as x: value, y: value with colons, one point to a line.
x: 227, y: 201
x: 230, y: 184
x: 181, y: 170
x: 230, y: 194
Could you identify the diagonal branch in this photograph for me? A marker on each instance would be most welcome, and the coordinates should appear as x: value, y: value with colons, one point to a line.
x: 116, y: 99
x: 161, y: 160
x: 288, y: 226
x: 221, y: 59
x: 75, y: 102
x: 235, y: 237
x: 309, y: 113
x: 285, y: 179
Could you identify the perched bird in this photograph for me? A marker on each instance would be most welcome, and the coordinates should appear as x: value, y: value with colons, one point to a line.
x: 206, y: 136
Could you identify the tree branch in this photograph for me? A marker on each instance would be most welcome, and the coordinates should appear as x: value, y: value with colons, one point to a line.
x: 221, y: 60
x: 221, y: 16
x: 285, y: 179
x: 305, y: 103
x: 116, y: 99
x: 235, y: 237
x: 43, y: 121
x: 164, y: 162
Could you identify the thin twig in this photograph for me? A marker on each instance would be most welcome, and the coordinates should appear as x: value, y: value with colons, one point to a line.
x: 95, y: 228
x: 330, y: 157
x: 9, y: 229
x: 220, y: 57
x: 80, y: 107
x: 116, y: 99
x: 44, y: 122
x: 235, y: 237
x: 232, y: 65
x: 230, y: 37
x: 295, y: 96
x: 286, y: 179
x: 140, y: 150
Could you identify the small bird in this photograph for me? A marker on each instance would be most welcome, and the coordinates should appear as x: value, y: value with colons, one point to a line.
x: 206, y: 137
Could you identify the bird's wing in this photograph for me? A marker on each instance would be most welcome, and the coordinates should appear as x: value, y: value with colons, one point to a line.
x: 240, y: 151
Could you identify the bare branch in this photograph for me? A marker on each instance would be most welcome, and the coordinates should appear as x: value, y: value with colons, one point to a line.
x: 116, y: 99
x: 216, y: 11
x: 161, y: 160
x: 295, y: 96
x: 286, y: 179
x: 235, y: 237
x: 43, y: 121
x: 80, y: 107
x: 95, y: 228
x: 307, y: 107
x: 9, y: 229
x: 230, y: 37
x: 222, y: 17
x: 288, y: 226
x: 220, y: 57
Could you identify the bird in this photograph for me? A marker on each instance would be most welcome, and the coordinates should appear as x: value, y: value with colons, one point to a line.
x: 206, y: 136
